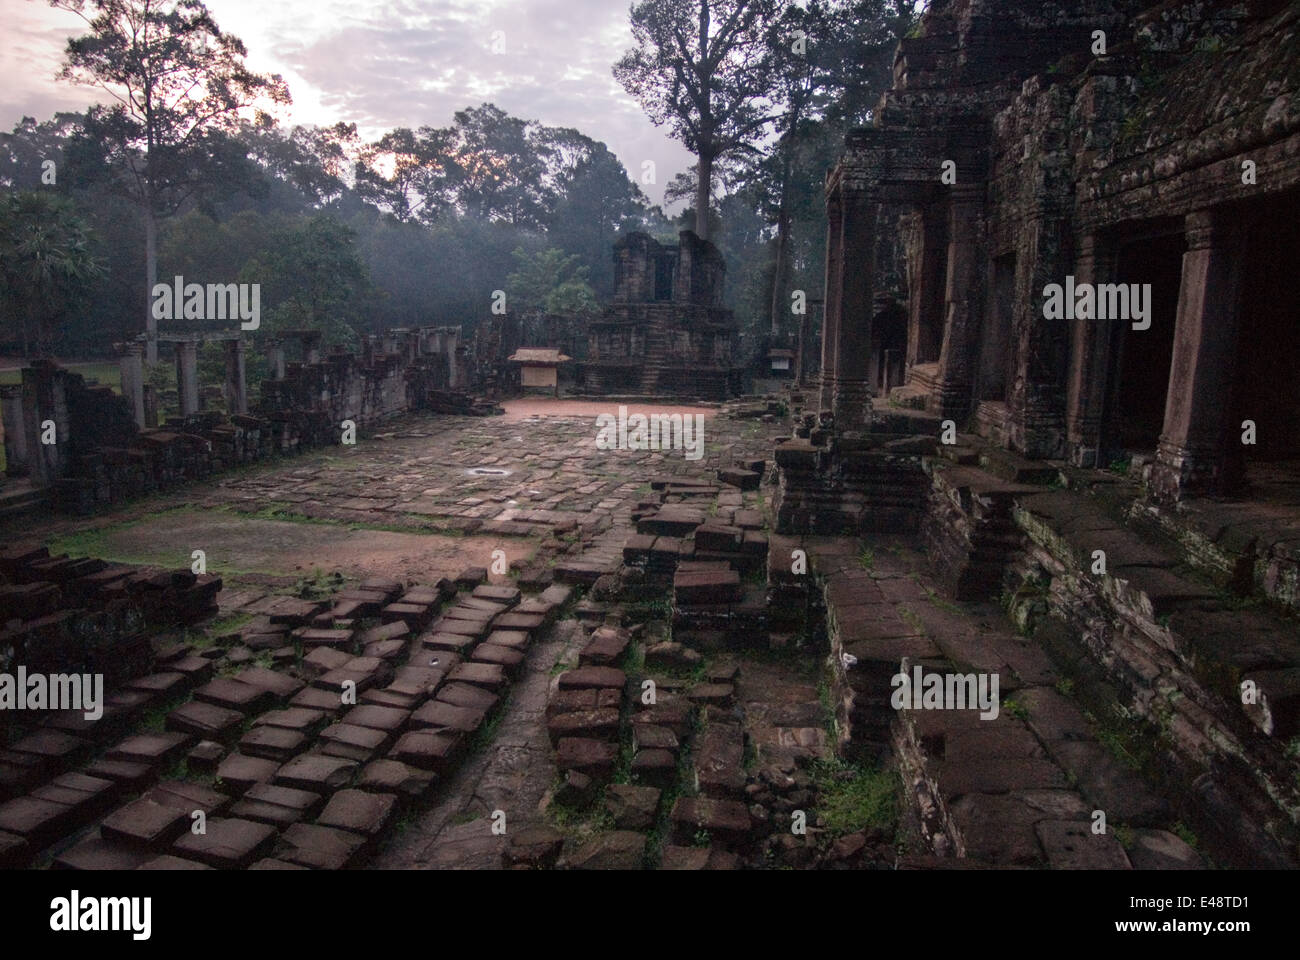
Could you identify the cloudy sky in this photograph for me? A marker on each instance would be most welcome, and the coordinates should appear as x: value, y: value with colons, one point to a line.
x: 390, y: 63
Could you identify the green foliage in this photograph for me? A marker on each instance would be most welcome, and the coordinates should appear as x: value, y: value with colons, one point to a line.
x: 47, y: 267
x: 550, y: 281
x: 852, y: 797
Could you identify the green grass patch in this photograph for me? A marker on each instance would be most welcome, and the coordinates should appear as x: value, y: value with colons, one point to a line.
x: 852, y: 797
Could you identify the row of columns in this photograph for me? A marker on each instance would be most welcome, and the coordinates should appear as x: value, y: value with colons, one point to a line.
x: 1191, y: 456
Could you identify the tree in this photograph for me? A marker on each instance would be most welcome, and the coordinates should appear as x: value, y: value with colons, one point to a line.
x: 705, y: 68
x: 46, y: 266
x: 312, y: 277
x: 550, y: 281
x: 178, y: 83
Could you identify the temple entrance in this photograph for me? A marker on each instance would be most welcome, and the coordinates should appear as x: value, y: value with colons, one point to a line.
x: 1268, y: 339
x: 997, y: 352
x: 1140, y: 376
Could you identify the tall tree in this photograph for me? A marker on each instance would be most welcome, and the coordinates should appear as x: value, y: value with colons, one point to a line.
x: 46, y: 266
x: 705, y: 68
x: 177, y: 83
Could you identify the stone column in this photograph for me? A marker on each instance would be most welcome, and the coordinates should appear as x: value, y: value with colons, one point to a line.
x: 11, y: 408
x: 131, y: 363
x: 236, y: 382
x: 925, y: 289
x: 187, y: 377
x: 831, y: 313
x: 1090, y: 358
x: 453, y: 375
x: 1192, y: 452
x: 275, y: 355
x: 851, y: 397
x: 952, y: 395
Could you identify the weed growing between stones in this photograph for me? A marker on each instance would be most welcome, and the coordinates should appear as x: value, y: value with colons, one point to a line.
x: 852, y: 797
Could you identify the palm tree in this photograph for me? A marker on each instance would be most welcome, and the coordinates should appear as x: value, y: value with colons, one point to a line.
x: 46, y: 265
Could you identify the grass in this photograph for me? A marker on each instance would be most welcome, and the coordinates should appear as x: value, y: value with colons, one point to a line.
x: 867, y: 558
x: 851, y: 797
x: 1015, y: 709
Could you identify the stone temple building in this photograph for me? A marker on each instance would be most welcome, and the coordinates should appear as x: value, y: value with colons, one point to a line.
x: 1098, y: 205
x: 666, y: 333
x: 1011, y: 157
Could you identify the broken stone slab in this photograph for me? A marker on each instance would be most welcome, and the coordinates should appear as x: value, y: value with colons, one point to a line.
x: 671, y: 655
x: 279, y: 685
x: 388, y: 719
x: 1162, y: 850
x: 152, y: 749
x: 615, y: 850
x: 350, y: 742
x: 697, y: 858
x: 535, y: 847
x: 587, y: 677
x: 393, y: 776
x: 724, y: 820
x: 632, y: 807
x: 1071, y: 845
x: 600, y: 724
x: 445, y: 716
x: 272, y: 743
x: 235, y: 695
x: 503, y: 594
x: 742, y: 479
x: 227, y: 844
x: 606, y: 646
x: 320, y: 848
x: 467, y: 695
x: 316, y: 773
x: 595, y: 758
x: 237, y: 773
x: 654, y: 766
x: 584, y: 698
x: 145, y: 824
x: 509, y: 660
x: 169, y: 862
x: 359, y: 811
x: 694, y: 587
x: 98, y: 853
x: 488, y: 676
x: 428, y: 750
x: 278, y: 806
x: 188, y: 797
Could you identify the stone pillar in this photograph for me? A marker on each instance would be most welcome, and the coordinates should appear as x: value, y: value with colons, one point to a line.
x: 11, y: 408
x: 927, y: 270
x: 453, y: 375
x: 1192, y: 453
x: 957, y: 356
x: 131, y: 363
x: 275, y: 355
x: 851, y: 396
x: 44, y: 400
x: 831, y: 313
x: 236, y: 382
x: 187, y: 377
x: 1090, y: 358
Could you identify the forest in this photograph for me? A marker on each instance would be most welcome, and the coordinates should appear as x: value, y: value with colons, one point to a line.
x: 187, y: 167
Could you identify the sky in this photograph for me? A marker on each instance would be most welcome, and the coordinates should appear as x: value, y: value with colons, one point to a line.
x: 393, y: 63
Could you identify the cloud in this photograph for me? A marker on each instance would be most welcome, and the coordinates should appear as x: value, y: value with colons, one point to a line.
x: 401, y: 63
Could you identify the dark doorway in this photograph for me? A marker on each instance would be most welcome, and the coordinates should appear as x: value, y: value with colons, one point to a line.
x: 997, y: 352
x: 1268, y: 339
x: 1140, y: 379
